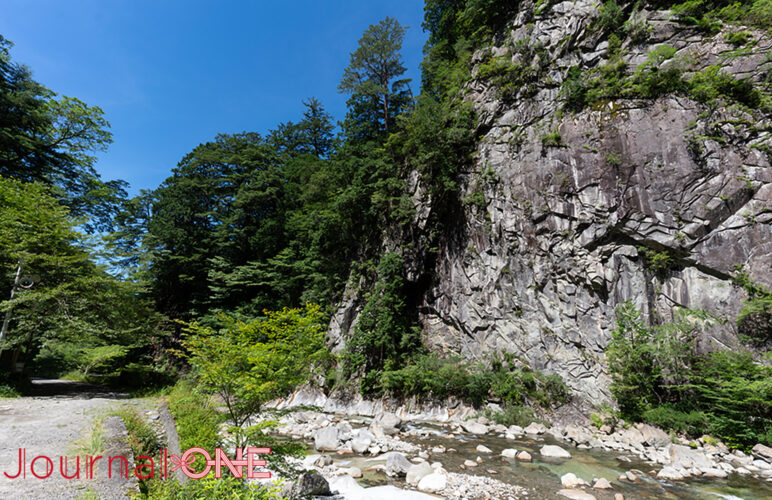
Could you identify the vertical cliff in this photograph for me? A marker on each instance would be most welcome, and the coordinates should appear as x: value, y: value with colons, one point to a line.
x: 611, y: 165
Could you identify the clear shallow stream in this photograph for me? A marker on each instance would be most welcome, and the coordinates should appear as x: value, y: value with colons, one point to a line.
x: 542, y: 476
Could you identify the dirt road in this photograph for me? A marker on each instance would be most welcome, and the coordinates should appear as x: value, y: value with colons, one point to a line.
x: 48, y: 423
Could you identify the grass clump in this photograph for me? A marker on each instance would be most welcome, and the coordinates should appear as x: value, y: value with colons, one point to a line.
x: 142, y: 438
x: 195, y: 416
x: 711, y: 84
x: 504, y: 379
x: 94, y: 443
x: 755, y: 319
x: 552, y: 140
x: 513, y: 415
x: 738, y: 38
x: 8, y: 391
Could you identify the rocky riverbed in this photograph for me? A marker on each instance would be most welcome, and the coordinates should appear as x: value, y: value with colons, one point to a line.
x: 388, y: 457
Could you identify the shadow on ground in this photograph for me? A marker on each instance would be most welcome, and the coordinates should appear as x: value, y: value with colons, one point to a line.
x: 44, y: 387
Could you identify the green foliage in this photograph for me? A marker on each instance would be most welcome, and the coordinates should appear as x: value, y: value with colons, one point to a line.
x: 515, y: 78
x: 691, y: 423
x: 735, y: 393
x: 658, y: 262
x: 659, y: 75
x: 574, y: 89
x: 613, y: 159
x: 226, y: 488
x: 712, y: 83
x: 505, y: 380
x: 372, y: 80
x: 657, y: 378
x: 552, y: 140
x: 738, y: 38
x: 437, y: 140
x: 637, y: 29
x: 248, y: 364
x: 756, y: 13
x: 651, y: 79
x: 142, y: 438
x: 607, y: 417
x: 514, y: 415
x: 755, y: 319
x: 195, y: 416
x: 384, y: 331
x: 648, y: 363
x: 707, y: 15
x: 7, y: 391
x: 611, y: 17
x: 58, y: 318
x: 51, y: 140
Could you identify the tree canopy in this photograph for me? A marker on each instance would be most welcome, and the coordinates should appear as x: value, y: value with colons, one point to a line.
x: 372, y: 80
x: 51, y: 139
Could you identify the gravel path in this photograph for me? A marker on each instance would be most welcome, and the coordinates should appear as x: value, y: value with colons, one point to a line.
x: 48, y: 423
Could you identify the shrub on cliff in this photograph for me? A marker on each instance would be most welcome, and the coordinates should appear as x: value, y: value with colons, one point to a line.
x: 503, y: 379
x: 658, y: 378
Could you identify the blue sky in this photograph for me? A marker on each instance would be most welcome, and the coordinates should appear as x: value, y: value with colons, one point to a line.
x: 172, y: 74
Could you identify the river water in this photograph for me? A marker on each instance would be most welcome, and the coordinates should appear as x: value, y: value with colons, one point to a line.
x: 542, y: 476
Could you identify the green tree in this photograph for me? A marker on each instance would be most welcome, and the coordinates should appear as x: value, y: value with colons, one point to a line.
x: 69, y: 312
x: 52, y: 139
x: 372, y: 79
x: 251, y: 363
x: 222, y: 201
x: 384, y: 331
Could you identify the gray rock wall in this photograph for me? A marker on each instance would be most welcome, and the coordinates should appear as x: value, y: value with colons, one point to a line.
x: 540, y: 268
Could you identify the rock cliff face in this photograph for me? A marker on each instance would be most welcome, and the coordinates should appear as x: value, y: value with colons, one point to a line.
x: 570, y: 207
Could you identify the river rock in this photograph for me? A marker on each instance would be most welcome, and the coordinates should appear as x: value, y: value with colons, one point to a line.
x: 762, y: 452
x: 323, y: 461
x: 654, y: 436
x: 630, y: 476
x: 686, y: 457
x: 670, y: 473
x: 524, y: 456
x: 632, y: 437
x: 515, y: 429
x: 576, y: 494
x: 344, y: 431
x: 470, y: 463
x: 345, y: 485
x: 433, y: 483
x: 509, y: 453
x: 554, y: 451
x: 417, y: 472
x: 326, y: 439
x: 577, y: 435
x: 602, y: 484
x: 571, y: 481
x: 483, y: 449
x: 388, y: 423
x: 714, y: 473
x: 473, y: 427
x: 396, y: 464
x: 362, y: 440
x: 310, y: 484
x: 535, y: 428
